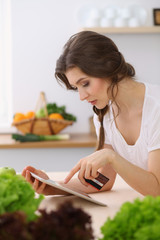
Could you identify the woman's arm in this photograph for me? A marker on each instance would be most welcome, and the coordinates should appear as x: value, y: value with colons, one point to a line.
x: 42, y: 188
x: 145, y: 182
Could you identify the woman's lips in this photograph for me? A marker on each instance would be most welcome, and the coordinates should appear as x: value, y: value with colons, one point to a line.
x: 93, y: 102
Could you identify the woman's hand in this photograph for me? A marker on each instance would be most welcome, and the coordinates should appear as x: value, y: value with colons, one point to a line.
x: 88, y: 166
x: 38, y: 186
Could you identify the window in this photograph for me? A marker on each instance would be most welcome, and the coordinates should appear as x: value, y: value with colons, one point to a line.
x: 5, y: 65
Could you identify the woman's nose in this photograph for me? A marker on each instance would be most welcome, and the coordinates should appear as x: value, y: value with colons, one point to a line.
x: 82, y: 95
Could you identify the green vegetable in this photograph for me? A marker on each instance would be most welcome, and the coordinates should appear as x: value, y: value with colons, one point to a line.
x: 53, y: 108
x: 139, y: 220
x: 17, y: 194
x: 29, y: 137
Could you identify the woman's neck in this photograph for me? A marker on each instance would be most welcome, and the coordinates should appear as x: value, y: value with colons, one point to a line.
x: 130, y: 96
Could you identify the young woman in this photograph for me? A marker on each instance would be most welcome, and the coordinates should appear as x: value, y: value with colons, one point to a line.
x: 126, y: 116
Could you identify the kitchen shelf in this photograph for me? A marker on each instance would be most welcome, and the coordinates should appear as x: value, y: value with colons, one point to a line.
x: 76, y: 140
x: 123, y: 30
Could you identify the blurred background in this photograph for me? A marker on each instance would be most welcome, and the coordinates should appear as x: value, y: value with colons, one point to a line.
x: 36, y: 31
x: 33, y: 33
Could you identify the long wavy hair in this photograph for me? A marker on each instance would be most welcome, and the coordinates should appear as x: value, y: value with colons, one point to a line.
x: 97, y: 56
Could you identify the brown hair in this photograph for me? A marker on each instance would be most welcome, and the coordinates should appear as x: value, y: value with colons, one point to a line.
x: 97, y: 56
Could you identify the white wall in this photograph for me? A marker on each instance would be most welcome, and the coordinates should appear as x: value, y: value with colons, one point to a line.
x: 49, y: 159
x: 40, y: 28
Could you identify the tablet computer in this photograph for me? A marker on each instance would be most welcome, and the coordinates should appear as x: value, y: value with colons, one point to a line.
x: 68, y: 190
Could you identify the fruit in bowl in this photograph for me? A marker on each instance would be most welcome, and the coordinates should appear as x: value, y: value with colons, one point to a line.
x: 40, y: 113
x: 21, y: 116
x: 48, y: 120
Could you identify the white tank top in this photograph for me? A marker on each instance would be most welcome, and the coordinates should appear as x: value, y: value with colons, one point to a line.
x: 149, y: 138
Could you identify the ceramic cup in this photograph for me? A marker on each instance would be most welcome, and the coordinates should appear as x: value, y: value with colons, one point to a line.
x: 120, y: 22
x: 106, y: 22
x: 133, y: 22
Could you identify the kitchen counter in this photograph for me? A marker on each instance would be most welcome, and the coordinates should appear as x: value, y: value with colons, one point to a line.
x: 120, y: 193
x: 77, y: 140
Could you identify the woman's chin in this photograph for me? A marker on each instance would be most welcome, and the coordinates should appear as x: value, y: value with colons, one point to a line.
x: 100, y: 107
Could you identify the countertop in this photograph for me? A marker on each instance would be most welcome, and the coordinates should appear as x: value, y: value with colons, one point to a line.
x: 76, y: 140
x: 120, y: 193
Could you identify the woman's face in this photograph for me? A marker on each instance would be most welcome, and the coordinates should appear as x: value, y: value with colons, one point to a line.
x: 91, y: 89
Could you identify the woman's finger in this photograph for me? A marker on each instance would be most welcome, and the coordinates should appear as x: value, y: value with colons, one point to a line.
x: 28, y: 168
x: 94, y: 172
x: 35, y: 184
x: 38, y: 186
x: 41, y: 188
x: 82, y: 174
x: 29, y: 178
x: 88, y: 171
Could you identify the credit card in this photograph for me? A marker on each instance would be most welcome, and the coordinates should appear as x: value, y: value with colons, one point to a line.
x: 98, y: 182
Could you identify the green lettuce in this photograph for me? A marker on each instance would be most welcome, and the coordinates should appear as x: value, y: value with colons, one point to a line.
x: 16, y: 194
x: 139, y: 220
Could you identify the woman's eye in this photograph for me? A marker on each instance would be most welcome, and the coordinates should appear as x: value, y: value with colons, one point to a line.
x: 74, y: 88
x: 86, y: 84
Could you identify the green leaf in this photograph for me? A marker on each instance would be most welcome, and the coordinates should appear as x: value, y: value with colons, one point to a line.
x: 54, y: 108
x: 139, y: 220
x: 17, y: 194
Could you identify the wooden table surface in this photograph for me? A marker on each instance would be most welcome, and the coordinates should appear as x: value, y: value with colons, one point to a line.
x: 120, y: 193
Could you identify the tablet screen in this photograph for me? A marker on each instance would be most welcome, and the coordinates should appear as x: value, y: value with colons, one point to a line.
x: 68, y: 190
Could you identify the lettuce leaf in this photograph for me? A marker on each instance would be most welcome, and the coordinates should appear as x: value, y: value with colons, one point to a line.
x: 16, y: 194
x: 138, y: 220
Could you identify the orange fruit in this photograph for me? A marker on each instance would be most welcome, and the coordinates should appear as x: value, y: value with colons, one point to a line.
x: 18, y: 117
x: 30, y: 114
x: 55, y: 116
